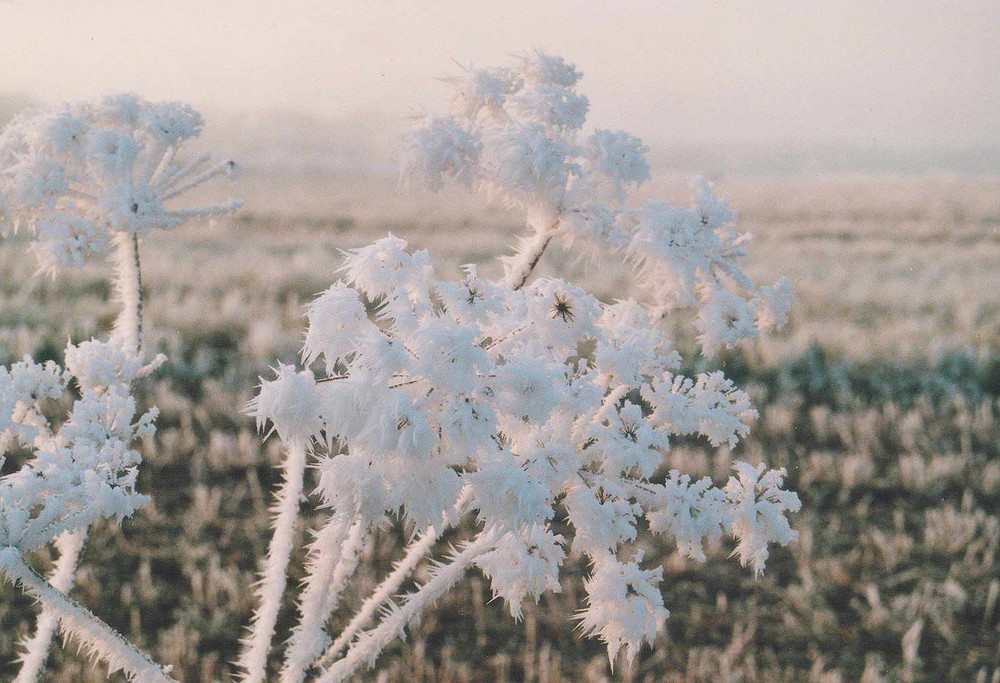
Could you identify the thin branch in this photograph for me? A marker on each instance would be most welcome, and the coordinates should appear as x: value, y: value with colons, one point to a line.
x: 370, y: 643
x: 225, y: 168
x: 253, y: 658
x: 533, y: 263
x: 75, y: 620
x: 163, y: 165
x: 333, y: 557
x: 36, y: 648
x: 507, y: 336
x: 182, y: 172
x: 332, y: 378
x: 415, y: 552
x: 128, y: 288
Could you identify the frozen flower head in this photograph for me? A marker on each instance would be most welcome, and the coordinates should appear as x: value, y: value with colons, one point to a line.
x: 510, y: 400
x: 511, y: 403
x: 757, y: 512
x: 545, y: 69
x: 513, y: 132
x: 625, y: 608
x: 81, y: 469
x: 616, y: 160
x: 97, y: 365
x: 440, y: 150
x: 290, y: 402
x: 523, y: 565
x: 335, y: 318
x: 81, y: 174
x: 723, y: 320
x: 482, y: 91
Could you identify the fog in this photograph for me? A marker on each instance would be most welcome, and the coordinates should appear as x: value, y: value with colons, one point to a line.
x: 898, y: 86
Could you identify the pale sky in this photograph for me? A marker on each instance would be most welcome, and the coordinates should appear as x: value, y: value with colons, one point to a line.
x: 903, y: 74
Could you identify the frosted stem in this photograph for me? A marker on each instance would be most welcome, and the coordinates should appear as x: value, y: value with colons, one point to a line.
x: 77, y: 621
x: 36, y: 648
x: 128, y: 288
x: 370, y: 643
x: 165, y: 182
x: 253, y: 658
x: 415, y: 552
x: 518, y: 268
x: 333, y: 558
x: 225, y: 168
x: 385, y: 590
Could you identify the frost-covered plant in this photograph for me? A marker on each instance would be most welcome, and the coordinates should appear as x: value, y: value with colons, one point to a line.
x: 85, y: 179
x: 501, y: 404
x: 514, y: 402
x: 514, y: 133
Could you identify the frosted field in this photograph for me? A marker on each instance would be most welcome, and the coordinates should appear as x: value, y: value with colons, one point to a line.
x: 881, y: 398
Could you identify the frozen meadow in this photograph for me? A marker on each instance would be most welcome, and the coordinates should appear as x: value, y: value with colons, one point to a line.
x: 880, y: 398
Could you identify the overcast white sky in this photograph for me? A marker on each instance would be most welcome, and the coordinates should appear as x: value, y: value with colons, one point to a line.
x: 904, y: 74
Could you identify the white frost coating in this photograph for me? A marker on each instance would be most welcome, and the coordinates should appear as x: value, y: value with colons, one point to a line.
x: 77, y: 622
x: 81, y: 470
x: 128, y: 291
x: 521, y: 396
x: 333, y: 558
x: 36, y: 648
x: 86, y: 179
x: 415, y: 553
x: 756, y: 512
x: 625, y: 607
x: 514, y: 133
x: 253, y: 658
x: 78, y: 175
x: 369, y: 644
x: 526, y: 398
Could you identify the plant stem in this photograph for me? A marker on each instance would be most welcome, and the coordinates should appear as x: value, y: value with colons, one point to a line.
x: 90, y: 631
x: 128, y: 288
x: 128, y: 329
x: 523, y: 263
x: 36, y: 648
x: 370, y: 643
x: 333, y: 558
x: 415, y: 552
x: 253, y: 658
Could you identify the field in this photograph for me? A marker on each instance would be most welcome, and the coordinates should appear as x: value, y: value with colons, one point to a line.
x: 882, y: 399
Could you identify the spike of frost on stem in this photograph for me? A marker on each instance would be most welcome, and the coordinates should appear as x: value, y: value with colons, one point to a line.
x: 370, y: 644
x: 518, y: 268
x: 332, y: 559
x: 217, y: 170
x: 36, y: 648
x: 415, y: 552
x: 93, y: 634
x: 128, y: 288
x: 181, y: 173
x: 206, y: 211
x: 163, y: 165
x: 253, y: 658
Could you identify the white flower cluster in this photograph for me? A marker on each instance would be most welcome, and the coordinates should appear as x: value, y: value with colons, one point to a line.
x: 532, y: 402
x: 81, y: 174
x: 85, y: 468
x: 85, y: 179
x: 513, y: 133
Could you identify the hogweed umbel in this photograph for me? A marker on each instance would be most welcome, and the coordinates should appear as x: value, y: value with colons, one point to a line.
x: 86, y: 180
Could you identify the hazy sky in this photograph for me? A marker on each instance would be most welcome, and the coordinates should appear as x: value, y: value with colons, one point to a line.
x: 907, y: 73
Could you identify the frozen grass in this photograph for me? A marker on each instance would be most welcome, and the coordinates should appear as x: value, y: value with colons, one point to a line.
x: 881, y: 399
